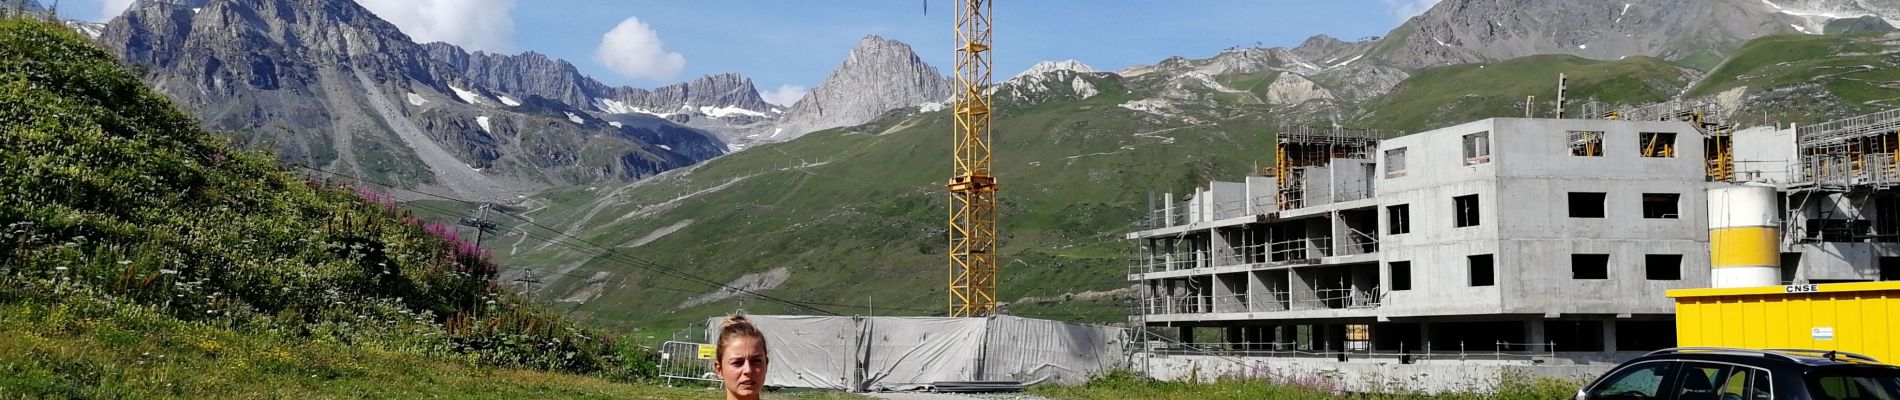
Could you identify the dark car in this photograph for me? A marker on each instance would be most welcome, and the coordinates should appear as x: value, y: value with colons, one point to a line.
x: 1738, y: 374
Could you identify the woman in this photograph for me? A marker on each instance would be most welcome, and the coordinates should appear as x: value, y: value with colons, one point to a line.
x: 741, y: 359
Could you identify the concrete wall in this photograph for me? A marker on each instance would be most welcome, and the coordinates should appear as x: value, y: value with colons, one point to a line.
x: 1229, y: 199
x: 1834, y: 261
x: 1537, y: 173
x: 1437, y: 249
x: 1764, y: 154
x: 1362, y: 376
x: 1524, y: 219
x: 1351, y: 179
x: 1263, y: 194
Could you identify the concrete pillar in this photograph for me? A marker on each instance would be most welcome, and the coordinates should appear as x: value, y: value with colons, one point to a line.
x: 1609, y: 335
x: 1301, y: 290
x: 1425, y: 337
x: 1534, y: 335
x: 1167, y: 209
x: 1336, y: 227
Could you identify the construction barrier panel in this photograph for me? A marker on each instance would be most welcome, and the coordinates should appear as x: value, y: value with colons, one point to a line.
x: 903, y: 353
x: 687, y: 361
x: 1850, y: 317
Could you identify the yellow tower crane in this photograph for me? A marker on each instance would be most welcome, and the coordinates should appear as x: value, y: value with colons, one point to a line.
x: 972, y: 188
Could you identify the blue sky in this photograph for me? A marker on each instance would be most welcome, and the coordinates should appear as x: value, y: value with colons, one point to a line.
x: 794, y: 43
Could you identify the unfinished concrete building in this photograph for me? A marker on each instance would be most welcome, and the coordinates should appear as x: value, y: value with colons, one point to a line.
x: 1528, y: 236
x: 1841, y: 192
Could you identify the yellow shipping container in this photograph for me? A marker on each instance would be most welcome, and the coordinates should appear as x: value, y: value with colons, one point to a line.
x: 1850, y: 317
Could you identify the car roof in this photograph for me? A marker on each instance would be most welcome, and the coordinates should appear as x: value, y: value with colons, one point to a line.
x: 1766, y: 358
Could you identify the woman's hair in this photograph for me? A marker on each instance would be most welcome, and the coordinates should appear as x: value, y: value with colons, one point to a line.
x: 734, y: 327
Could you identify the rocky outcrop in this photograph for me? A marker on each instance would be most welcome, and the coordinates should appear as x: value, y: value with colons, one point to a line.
x: 1329, y: 51
x: 1818, y: 13
x: 327, y: 83
x: 534, y: 74
x: 880, y: 75
x: 1294, y: 89
x: 1469, y: 31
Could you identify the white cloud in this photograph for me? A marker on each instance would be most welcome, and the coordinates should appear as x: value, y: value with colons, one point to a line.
x: 110, y: 9
x: 1406, y: 9
x: 785, y: 95
x: 473, y: 24
x: 634, y: 49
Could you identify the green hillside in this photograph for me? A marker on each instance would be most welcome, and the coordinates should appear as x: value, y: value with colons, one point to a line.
x: 1806, y: 78
x: 1449, y: 95
x: 851, y: 220
x: 145, y: 258
x: 855, y: 216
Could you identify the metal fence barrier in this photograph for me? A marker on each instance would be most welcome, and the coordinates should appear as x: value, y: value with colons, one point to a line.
x: 687, y: 361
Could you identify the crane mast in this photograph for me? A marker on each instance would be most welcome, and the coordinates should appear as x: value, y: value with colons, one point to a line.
x: 972, y: 189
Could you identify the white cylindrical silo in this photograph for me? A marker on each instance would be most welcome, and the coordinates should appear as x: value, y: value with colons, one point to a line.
x: 1744, y: 236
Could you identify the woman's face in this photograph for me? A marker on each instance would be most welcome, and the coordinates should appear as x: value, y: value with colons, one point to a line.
x: 743, y: 368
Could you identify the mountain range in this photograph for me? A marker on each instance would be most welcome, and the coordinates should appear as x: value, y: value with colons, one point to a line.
x: 329, y: 84
x: 845, y: 200
x: 843, y: 215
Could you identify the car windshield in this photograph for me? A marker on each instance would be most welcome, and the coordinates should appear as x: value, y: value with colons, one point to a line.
x: 1855, y: 384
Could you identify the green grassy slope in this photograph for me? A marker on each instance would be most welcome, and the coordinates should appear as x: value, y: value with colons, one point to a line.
x: 857, y: 215
x: 146, y: 258
x: 854, y: 217
x: 1454, y: 94
x: 1810, y: 78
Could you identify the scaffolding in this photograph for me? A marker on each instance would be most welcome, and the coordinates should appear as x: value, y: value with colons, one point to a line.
x: 1846, y: 160
x: 1302, y: 146
x: 1842, y: 154
x: 1718, y: 141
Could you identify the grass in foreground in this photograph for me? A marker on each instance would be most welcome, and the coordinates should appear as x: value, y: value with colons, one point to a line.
x: 95, y: 349
x: 90, y: 349
x: 1127, y: 386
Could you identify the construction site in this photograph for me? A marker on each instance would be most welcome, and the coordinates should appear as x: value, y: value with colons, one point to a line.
x: 1432, y: 261
x: 1438, y: 261
x: 1508, y: 244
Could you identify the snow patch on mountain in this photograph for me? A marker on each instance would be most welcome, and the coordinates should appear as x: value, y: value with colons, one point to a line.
x: 417, y: 100
x: 483, y: 121
x: 508, y: 101
x: 617, y: 107
x: 467, y: 96
x: 576, y: 118
x: 727, y: 111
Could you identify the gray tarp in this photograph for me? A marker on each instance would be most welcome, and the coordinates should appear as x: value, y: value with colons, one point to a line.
x: 860, y: 353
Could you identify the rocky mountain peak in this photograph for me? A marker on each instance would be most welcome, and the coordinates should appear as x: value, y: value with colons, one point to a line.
x: 1323, y: 48
x: 1818, y: 13
x: 1046, y: 67
x: 878, y: 76
x: 527, y: 74
x: 727, y: 90
x: 328, y: 83
x: 1468, y: 31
